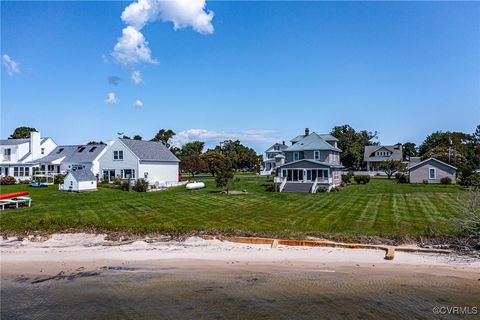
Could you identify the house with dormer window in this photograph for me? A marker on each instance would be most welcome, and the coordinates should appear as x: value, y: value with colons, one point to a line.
x: 272, y: 158
x: 311, y: 162
x: 374, y: 155
x: 135, y: 159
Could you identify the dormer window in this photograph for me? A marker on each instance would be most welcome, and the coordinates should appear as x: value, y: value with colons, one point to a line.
x: 60, y: 150
x: 81, y: 149
x: 92, y: 149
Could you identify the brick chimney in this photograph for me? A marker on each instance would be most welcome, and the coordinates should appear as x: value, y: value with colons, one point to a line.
x: 307, y: 131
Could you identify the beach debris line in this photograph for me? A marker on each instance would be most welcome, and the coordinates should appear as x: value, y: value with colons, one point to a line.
x: 389, y: 250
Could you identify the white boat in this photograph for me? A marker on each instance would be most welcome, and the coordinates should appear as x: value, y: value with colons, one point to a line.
x: 195, y: 185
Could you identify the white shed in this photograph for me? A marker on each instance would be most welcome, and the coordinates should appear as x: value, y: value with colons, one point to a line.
x: 79, y: 181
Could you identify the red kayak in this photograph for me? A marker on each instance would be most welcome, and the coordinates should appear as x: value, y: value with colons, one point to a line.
x: 13, y: 195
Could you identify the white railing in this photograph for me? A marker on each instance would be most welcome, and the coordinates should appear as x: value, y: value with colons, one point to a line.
x: 318, y: 181
x: 282, y: 185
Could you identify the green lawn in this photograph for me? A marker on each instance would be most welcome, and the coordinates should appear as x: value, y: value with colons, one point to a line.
x: 380, y: 208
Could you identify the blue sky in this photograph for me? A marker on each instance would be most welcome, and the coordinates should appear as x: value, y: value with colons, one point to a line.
x: 263, y: 73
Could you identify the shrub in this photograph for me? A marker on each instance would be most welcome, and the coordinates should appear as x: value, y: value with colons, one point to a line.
x: 446, y: 180
x: 425, y: 181
x: 25, y: 181
x: 401, y: 178
x: 347, y: 178
x: 125, y: 185
x: 117, y: 181
x: 269, y: 187
x: 362, y: 178
x: 474, y: 180
x: 7, y: 180
x: 141, y: 185
x: 59, y: 179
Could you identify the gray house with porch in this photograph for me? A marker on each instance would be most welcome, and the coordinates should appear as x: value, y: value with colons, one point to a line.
x: 311, y: 162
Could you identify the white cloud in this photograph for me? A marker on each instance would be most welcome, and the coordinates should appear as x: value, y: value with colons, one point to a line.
x: 138, y: 104
x: 182, y: 13
x: 212, y: 138
x: 137, y: 77
x: 11, y: 66
x: 132, y: 48
x: 111, y: 98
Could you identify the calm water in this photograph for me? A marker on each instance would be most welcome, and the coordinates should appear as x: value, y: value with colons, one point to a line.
x: 233, y: 294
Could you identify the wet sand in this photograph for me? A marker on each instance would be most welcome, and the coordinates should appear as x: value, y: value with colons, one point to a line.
x: 199, y: 279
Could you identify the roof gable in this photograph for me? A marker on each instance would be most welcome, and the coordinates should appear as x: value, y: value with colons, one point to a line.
x: 149, y: 150
x: 82, y: 175
x: 419, y: 164
x: 311, y: 142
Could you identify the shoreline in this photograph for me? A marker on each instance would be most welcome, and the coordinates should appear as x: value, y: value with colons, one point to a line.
x: 69, y: 252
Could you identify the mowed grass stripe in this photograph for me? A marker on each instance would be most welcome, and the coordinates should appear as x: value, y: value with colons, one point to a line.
x: 381, y: 207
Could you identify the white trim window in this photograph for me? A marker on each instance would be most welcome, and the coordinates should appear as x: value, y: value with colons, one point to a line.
x: 432, y: 173
x: 128, y: 173
x: 118, y: 155
x: 296, y: 156
x: 316, y: 155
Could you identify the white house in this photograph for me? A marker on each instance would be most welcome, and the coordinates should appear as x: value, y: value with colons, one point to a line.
x: 73, y: 157
x: 18, y: 157
x: 79, y: 181
x: 133, y: 159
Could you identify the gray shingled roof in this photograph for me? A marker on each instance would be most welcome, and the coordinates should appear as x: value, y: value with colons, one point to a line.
x: 281, y: 145
x: 15, y: 142
x: 313, y: 141
x: 427, y: 160
x: 150, y: 150
x: 59, y: 152
x: 83, y: 175
x: 397, y: 154
x: 327, y: 164
x: 86, y: 153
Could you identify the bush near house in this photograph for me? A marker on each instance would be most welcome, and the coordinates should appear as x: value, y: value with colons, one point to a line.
x: 401, y: 177
x: 141, y: 185
x: 446, y: 180
x: 59, y: 179
x: 361, y: 178
x: 347, y: 178
x: 7, y: 180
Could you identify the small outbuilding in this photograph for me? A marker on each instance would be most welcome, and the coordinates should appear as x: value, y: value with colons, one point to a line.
x: 431, y: 170
x: 79, y: 181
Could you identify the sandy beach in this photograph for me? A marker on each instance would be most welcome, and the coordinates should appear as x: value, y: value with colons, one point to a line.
x: 210, y: 279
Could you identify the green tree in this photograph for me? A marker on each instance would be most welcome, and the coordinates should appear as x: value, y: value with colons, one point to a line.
x: 95, y: 142
x: 352, y: 144
x: 194, y: 147
x: 409, y: 150
x: 22, y: 133
x: 392, y: 166
x: 223, y: 177
x: 137, y: 137
x: 126, y: 137
x: 193, y: 163
x: 165, y: 136
x: 215, y: 161
x: 240, y: 156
